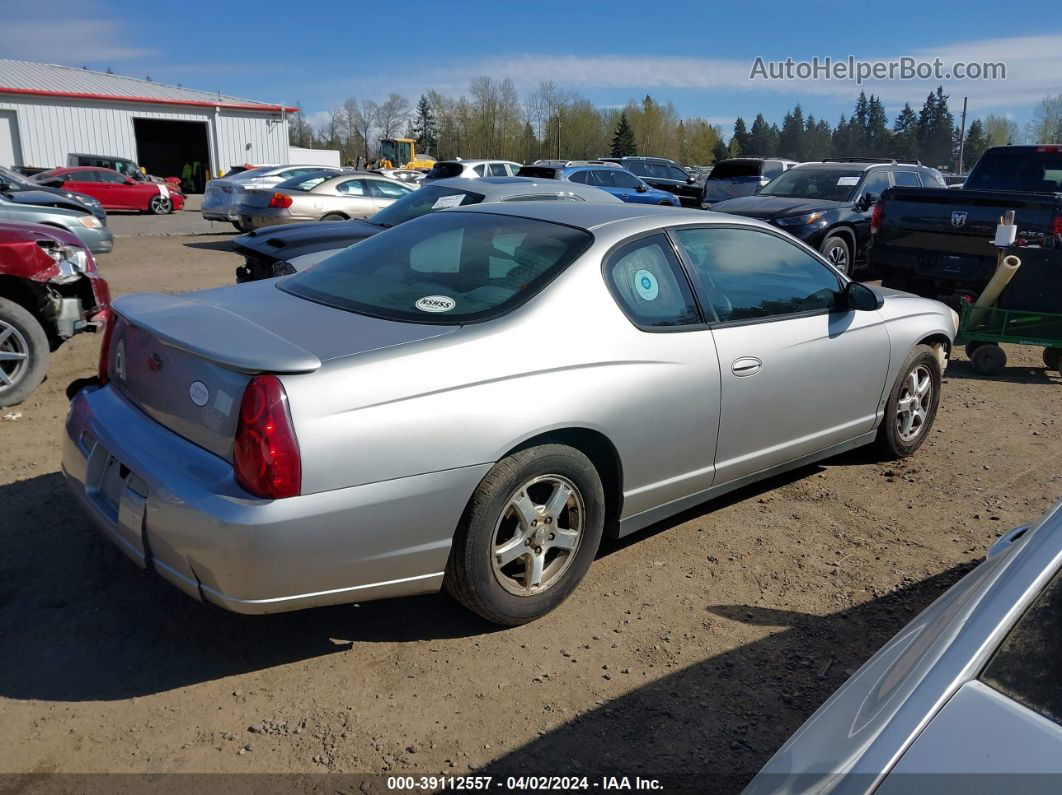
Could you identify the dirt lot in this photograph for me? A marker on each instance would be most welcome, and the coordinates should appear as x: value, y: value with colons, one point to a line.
x: 697, y: 646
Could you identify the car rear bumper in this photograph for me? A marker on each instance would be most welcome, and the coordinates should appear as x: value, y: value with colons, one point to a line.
x: 172, y: 506
x: 257, y: 218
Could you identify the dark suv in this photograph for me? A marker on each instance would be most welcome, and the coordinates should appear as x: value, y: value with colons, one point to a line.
x: 740, y: 176
x: 828, y: 205
x: 662, y: 174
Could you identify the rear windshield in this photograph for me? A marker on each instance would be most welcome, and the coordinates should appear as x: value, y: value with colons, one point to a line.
x: 729, y: 169
x: 306, y: 181
x: 831, y: 184
x: 445, y: 170
x: 423, y: 201
x: 538, y: 172
x: 1018, y: 169
x: 444, y: 268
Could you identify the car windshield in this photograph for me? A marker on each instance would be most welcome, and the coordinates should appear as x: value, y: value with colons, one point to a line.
x: 830, y: 184
x: 444, y: 268
x: 15, y: 179
x: 1018, y: 170
x: 421, y: 202
x: 306, y: 181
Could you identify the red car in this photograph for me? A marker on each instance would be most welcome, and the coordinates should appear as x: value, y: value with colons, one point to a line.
x: 50, y: 290
x: 113, y: 190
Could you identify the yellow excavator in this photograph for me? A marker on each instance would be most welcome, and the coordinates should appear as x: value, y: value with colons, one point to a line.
x: 402, y: 153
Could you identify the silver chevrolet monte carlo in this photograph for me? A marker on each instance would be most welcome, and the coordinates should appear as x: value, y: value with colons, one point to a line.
x: 471, y: 399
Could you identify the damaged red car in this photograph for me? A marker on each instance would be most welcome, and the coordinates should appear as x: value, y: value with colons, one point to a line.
x: 50, y: 290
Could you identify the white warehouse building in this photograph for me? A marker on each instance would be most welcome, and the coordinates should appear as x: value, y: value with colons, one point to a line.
x: 48, y: 112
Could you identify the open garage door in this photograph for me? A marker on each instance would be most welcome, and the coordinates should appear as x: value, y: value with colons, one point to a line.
x: 10, y: 148
x: 174, y: 149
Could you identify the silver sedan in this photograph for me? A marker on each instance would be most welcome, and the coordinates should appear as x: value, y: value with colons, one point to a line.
x: 965, y: 699
x: 320, y: 197
x: 471, y: 399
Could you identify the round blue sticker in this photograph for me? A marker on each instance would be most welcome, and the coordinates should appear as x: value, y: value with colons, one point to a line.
x: 646, y: 285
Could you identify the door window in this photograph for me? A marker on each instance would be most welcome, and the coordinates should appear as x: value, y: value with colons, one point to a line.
x: 649, y: 285
x: 623, y: 179
x: 386, y: 190
x: 876, y: 182
x: 111, y: 177
x: 353, y: 187
x: 481, y: 169
x: 751, y: 275
x: 582, y: 177
x: 676, y: 173
x: 80, y: 176
x: 638, y: 167
x: 498, y: 170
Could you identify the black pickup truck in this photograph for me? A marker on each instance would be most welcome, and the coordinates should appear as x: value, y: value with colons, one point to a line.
x: 937, y: 243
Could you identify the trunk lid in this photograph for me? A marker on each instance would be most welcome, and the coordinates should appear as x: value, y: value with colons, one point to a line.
x: 186, y: 360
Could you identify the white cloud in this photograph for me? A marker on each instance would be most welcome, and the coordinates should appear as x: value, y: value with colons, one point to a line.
x: 1033, y: 66
x: 72, y: 40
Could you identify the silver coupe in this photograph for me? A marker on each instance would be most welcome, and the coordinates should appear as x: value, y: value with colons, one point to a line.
x: 471, y: 399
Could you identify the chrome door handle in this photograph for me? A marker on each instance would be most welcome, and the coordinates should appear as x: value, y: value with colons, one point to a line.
x: 746, y: 365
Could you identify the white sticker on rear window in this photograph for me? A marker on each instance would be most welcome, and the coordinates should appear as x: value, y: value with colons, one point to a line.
x: 448, y: 201
x: 435, y: 303
x: 198, y: 393
x: 848, y: 180
x: 646, y: 285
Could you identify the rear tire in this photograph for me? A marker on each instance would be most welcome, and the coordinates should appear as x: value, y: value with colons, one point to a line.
x: 912, y: 404
x: 333, y: 217
x: 1053, y: 358
x: 240, y: 227
x: 24, y: 353
x: 509, y: 524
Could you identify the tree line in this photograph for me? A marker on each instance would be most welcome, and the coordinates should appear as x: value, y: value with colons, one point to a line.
x: 492, y: 120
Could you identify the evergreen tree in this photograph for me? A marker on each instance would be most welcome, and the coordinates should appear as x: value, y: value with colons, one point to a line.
x: 623, y: 144
x: 759, y: 138
x: 791, y: 139
x: 936, y: 130
x: 976, y: 144
x: 720, y: 151
x: 775, y: 134
x: 817, y: 139
x: 860, y: 123
x: 905, y: 134
x: 878, y: 137
x: 843, y: 143
x: 423, y: 127
x: 741, y: 137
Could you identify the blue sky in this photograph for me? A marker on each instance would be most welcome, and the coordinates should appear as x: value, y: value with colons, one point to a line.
x: 695, y: 54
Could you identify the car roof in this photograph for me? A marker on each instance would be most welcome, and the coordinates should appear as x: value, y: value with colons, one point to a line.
x: 475, y: 162
x: 497, y: 188
x: 591, y: 215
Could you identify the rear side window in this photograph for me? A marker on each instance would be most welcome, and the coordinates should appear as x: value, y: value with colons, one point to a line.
x: 81, y: 176
x: 907, y: 179
x: 582, y: 177
x: 481, y: 169
x: 538, y: 172
x: 649, y: 285
x: 444, y: 268
x: 746, y: 274
x: 1025, y: 667
x: 305, y: 181
x: 498, y: 170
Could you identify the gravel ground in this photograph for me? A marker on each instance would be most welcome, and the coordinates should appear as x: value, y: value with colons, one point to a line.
x: 697, y: 646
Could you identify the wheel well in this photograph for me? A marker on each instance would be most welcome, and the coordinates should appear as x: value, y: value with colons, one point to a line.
x: 847, y: 234
x: 933, y: 340
x: 344, y: 216
x: 602, y: 454
x: 17, y: 290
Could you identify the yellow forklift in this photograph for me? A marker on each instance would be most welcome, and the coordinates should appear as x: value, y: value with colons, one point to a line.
x: 402, y: 153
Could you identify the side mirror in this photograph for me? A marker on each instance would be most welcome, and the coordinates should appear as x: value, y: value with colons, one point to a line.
x: 130, y: 181
x: 868, y: 200
x: 690, y: 180
x: 642, y: 188
x: 859, y: 297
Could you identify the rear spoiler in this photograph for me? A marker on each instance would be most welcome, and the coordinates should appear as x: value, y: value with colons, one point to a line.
x: 213, y: 333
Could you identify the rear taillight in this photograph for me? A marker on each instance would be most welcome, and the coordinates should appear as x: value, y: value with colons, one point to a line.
x: 1056, y: 224
x: 876, y: 216
x: 280, y: 200
x: 265, y: 456
x: 106, y: 316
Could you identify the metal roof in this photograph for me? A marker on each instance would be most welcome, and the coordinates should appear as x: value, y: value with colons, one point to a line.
x: 53, y: 80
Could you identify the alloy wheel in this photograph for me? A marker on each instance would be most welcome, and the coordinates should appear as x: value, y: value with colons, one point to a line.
x: 838, y: 257
x: 537, y: 535
x: 14, y: 356
x: 912, y: 409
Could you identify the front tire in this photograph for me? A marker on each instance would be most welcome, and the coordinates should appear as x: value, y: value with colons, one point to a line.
x: 835, y: 249
x: 160, y: 205
x: 528, y: 535
x: 912, y: 404
x: 24, y: 353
